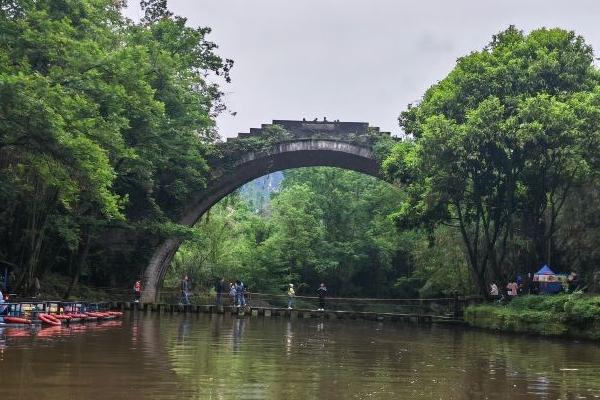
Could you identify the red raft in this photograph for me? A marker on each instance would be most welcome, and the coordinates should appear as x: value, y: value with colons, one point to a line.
x: 101, y: 315
x: 49, y: 319
x: 117, y: 314
x: 16, y: 320
x: 77, y: 317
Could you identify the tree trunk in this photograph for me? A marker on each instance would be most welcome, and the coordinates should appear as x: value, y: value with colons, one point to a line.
x: 82, y: 253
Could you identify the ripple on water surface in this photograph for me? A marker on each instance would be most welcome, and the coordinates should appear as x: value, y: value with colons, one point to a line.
x: 220, y: 357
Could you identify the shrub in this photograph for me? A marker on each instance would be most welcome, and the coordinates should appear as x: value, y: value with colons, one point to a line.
x: 572, y: 314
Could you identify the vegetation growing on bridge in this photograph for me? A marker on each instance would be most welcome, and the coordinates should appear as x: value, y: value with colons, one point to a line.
x: 226, y: 154
x: 232, y: 150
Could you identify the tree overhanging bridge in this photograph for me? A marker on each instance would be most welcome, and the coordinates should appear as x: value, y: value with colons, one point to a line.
x: 274, y: 147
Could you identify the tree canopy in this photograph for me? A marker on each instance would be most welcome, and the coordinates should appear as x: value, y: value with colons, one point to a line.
x: 107, y: 130
x: 103, y: 122
x: 322, y: 225
x: 497, y: 147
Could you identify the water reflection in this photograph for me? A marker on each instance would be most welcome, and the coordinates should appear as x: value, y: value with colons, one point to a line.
x: 289, y: 338
x: 2, y: 343
x: 221, y: 357
x: 238, y: 333
x: 184, y: 329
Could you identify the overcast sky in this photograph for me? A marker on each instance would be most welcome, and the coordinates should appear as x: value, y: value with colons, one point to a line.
x: 356, y: 60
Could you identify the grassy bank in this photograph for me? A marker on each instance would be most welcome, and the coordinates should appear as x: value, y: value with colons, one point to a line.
x: 572, y: 315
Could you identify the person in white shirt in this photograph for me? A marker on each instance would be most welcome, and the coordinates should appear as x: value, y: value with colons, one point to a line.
x: 291, y: 293
x: 494, y: 290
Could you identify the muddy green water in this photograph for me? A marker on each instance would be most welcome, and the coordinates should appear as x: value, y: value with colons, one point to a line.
x: 219, y: 357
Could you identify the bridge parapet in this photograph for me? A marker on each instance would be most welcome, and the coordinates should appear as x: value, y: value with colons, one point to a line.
x: 356, y: 132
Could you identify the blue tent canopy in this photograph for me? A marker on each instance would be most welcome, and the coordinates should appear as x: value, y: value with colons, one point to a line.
x: 545, y: 270
x: 548, y: 281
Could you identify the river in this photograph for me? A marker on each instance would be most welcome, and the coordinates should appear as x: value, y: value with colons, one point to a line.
x: 221, y: 357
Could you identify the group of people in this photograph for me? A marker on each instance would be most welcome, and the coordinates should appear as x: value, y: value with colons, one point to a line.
x: 236, y: 291
x: 514, y: 288
x: 528, y: 285
x: 321, y: 294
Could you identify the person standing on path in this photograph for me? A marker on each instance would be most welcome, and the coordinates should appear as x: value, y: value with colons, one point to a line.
x: 185, y: 291
x: 232, y: 293
x: 291, y: 294
x: 137, y: 291
x: 322, y: 293
x: 239, y: 294
x: 220, y: 290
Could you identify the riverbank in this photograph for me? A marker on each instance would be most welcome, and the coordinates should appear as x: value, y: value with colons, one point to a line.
x: 567, y: 315
x: 54, y: 286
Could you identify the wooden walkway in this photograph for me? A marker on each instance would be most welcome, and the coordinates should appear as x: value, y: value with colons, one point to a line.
x: 295, y: 313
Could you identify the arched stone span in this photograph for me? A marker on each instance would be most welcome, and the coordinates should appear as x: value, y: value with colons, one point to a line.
x: 292, y: 153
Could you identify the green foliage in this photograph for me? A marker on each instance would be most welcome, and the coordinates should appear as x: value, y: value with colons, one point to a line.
x: 104, y: 123
x: 439, y: 263
x: 218, y: 246
x: 505, y: 319
x: 566, y: 314
x: 107, y: 129
x: 234, y: 149
x: 54, y: 286
x: 325, y: 225
x: 576, y: 308
x: 497, y: 147
x: 382, y: 146
x: 360, y: 254
x: 408, y: 287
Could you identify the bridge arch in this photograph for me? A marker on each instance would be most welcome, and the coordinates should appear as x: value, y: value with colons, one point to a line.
x: 288, y: 154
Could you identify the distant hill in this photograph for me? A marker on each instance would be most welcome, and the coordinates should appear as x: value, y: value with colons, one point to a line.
x: 258, y: 192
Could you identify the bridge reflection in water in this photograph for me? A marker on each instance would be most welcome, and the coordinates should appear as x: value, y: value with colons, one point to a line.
x: 218, y: 356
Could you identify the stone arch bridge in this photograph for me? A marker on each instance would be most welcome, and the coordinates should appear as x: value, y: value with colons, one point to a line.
x: 273, y: 147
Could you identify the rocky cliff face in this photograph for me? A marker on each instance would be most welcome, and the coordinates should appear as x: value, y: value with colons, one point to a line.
x: 258, y: 192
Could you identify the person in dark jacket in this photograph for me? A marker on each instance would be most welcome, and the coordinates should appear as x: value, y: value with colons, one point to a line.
x: 220, y: 290
x: 322, y: 293
x: 232, y: 293
x: 185, y: 291
x: 3, y: 309
x: 240, y: 291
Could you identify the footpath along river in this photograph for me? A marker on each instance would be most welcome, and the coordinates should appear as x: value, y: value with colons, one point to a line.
x: 222, y: 357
